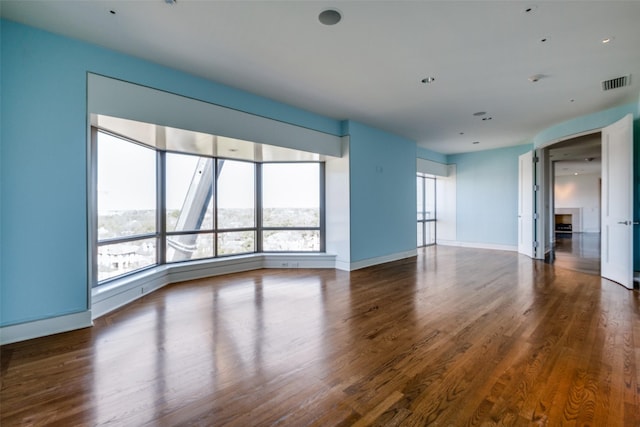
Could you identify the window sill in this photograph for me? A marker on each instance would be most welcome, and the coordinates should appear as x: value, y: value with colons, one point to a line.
x: 110, y: 296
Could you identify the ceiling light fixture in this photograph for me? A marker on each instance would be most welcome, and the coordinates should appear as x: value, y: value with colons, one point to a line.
x: 330, y: 17
x: 428, y: 80
x: 535, y: 78
x: 480, y: 113
x: 530, y: 9
x: 607, y: 40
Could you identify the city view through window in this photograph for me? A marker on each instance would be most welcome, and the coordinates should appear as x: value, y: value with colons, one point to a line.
x: 157, y: 207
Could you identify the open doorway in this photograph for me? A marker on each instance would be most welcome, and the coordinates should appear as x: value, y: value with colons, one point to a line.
x: 576, y: 170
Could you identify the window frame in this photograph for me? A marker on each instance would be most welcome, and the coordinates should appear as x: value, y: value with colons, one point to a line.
x: 321, y: 203
x: 424, y: 222
x: 256, y: 224
x: 161, y: 234
x: 97, y: 243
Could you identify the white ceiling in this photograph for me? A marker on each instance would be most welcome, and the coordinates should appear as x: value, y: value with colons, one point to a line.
x: 369, y: 66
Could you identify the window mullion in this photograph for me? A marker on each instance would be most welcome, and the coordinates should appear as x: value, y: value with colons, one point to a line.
x: 259, y: 227
x: 162, y: 207
x: 93, y: 206
x: 214, y: 202
x: 322, y: 207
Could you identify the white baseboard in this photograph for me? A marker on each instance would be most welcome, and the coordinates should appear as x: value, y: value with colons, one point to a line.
x: 49, y: 326
x: 292, y: 260
x: 381, y: 260
x: 477, y: 245
x: 343, y: 265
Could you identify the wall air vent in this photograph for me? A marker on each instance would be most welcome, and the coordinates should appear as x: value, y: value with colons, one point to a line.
x: 616, y: 82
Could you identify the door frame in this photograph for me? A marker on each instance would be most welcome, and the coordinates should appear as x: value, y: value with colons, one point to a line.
x: 545, y: 233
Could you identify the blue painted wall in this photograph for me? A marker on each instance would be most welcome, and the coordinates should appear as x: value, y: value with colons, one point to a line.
x: 383, y: 192
x: 595, y: 121
x: 487, y: 195
x: 423, y: 153
x: 43, y: 151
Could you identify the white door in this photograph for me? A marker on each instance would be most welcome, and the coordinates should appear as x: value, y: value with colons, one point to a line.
x: 525, y: 204
x: 617, y: 202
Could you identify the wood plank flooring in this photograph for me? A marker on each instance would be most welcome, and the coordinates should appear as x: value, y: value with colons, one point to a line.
x: 578, y: 251
x: 454, y: 337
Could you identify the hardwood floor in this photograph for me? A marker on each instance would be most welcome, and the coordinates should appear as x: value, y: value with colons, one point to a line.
x: 578, y: 251
x: 454, y: 337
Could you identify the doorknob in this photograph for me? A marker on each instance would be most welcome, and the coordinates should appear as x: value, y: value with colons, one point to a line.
x: 625, y: 222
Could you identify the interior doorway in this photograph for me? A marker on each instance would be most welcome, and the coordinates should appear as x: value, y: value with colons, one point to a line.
x: 575, y: 199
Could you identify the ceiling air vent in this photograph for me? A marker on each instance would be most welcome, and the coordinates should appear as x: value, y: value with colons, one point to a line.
x: 616, y: 82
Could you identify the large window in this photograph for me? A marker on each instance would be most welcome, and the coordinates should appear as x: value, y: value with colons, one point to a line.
x: 156, y: 206
x: 189, y: 207
x: 236, y: 185
x: 291, y: 206
x: 426, y: 208
x: 127, y: 229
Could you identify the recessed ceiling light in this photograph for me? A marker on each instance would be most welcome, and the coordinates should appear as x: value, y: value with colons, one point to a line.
x: 330, y: 17
x: 480, y: 113
x: 486, y: 118
x: 607, y: 40
x: 113, y: 12
x: 575, y: 173
x: 535, y: 78
x: 542, y: 40
x: 428, y: 80
x: 530, y: 9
